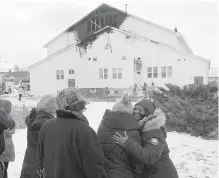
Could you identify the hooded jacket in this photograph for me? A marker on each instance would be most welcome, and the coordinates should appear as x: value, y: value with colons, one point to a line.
x: 118, y: 163
x: 69, y: 148
x: 154, y: 152
x: 34, y: 122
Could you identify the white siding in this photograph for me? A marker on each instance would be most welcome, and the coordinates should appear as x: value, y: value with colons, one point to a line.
x: 43, y: 76
x: 61, y: 42
x: 152, y: 32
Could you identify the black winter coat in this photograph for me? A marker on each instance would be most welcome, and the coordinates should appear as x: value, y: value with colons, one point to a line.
x: 154, y: 152
x: 117, y: 162
x: 34, y: 122
x: 69, y: 148
x: 5, y: 123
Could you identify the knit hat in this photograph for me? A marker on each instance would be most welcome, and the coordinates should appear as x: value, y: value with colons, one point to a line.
x: 123, y: 104
x: 70, y: 99
x: 6, y: 105
x: 148, y: 106
x: 48, y: 104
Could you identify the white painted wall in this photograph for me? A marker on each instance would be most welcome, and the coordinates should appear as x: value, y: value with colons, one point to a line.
x: 43, y: 76
x: 153, y: 32
x: 61, y: 42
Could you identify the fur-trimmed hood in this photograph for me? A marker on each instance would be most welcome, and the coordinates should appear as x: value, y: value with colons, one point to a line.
x: 66, y: 114
x: 152, y: 122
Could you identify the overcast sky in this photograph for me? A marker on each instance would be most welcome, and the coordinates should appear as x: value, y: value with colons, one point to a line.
x: 27, y: 25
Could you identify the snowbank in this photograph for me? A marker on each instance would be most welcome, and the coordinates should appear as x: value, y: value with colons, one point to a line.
x: 193, y: 156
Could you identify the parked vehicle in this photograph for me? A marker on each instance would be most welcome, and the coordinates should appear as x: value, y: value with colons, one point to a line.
x: 7, y: 85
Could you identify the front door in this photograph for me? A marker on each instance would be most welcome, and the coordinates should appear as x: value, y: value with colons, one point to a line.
x: 198, y: 80
x: 71, y: 82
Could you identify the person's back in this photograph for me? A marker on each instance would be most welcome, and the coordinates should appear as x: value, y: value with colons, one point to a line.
x: 117, y: 162
x: 68, y: 146
x: 34, y: 121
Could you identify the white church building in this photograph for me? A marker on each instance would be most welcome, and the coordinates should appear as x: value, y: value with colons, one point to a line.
x: 109, y: 51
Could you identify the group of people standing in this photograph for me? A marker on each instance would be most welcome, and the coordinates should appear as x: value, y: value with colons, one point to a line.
x: 130, y: 141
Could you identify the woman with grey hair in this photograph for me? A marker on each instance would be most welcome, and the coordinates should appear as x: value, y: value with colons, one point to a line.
x: 38, y: 116
x: 118, y: 163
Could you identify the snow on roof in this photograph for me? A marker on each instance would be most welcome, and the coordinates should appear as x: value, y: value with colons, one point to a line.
x: 124, y: 32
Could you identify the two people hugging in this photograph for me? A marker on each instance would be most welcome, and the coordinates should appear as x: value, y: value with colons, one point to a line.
x: 134, y: 141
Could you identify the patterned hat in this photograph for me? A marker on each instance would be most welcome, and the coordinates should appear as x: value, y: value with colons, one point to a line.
x: 124, y: 104
x: 70, y: 99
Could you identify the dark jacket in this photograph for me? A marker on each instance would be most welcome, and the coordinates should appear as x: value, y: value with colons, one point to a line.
x: 155, y: 152
x: 5, y: 123
x: 117, y: 163
x: 34, y: 122
x: 69, y: 148
x: 9, y: 154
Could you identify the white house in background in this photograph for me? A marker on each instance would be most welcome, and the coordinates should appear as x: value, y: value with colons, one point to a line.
x: 109, y: 51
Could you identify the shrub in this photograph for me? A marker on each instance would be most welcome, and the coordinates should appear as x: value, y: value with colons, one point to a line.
x: 192, y: 109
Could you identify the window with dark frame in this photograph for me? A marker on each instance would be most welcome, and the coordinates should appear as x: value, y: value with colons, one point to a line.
x: 58, y: 74
x: 105, y: 73
x: 100, y: 73
x: 115, y: 73
x: 62, y: 74
x: 163, y: 72
x: 119, y: 73
x: 169, y: 71
x: 149, y: 72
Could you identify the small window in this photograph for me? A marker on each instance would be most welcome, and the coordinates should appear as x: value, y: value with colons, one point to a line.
x: 115, y: 73
x: 163, y: 72
x: 149, y: 72
x: 105, y: 73
x: 100, y: 73
x: 155, y: 72
x: 58, y: 74
x: 123, y: 57
x: 94, y: 59
x: 119, y: 73
x: 169, y: 71
x: 69, y: 71
x: 72, y: 71
x: 62, y: 74
x: 178, y: 59
x: 127, y: 37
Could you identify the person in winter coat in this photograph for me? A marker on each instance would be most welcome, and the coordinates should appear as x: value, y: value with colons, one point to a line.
x: 118, y: 163
x: 9, y: 154
x: 46, y: 110
x: 154, y: 152
x: 6, y: 123
x: 68, y: 147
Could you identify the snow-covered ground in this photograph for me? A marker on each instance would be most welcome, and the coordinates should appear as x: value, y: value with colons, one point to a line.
x: 192, y: 156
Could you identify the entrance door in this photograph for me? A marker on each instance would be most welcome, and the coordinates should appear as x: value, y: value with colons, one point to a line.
x: 71, y: 82
x: 198, y: 80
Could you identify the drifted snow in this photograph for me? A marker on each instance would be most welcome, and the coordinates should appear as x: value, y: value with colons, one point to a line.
x: 192, y: 156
